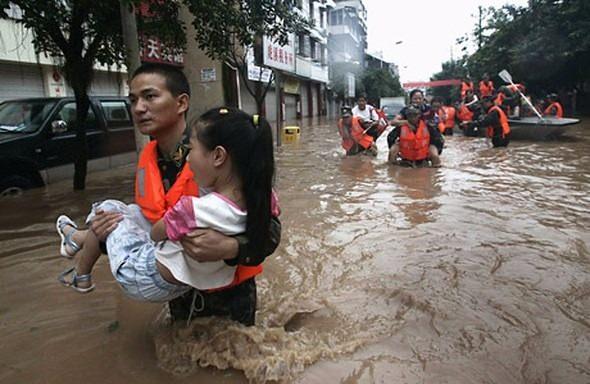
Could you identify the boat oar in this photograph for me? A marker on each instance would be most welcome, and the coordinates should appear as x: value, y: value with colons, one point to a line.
x: 505, y: 75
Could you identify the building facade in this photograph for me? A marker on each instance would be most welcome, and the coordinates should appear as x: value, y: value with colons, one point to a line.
x: 26, y: 74
x: 375, y: 61
x: 303, y: 65
x: 347, y: 44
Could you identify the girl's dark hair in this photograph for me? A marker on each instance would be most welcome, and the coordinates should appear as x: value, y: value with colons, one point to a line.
x: 248, y: 141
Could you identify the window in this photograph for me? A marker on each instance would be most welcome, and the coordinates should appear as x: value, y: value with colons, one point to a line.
x: 24, y: 116
x: 67, y: 113
x: 336, y: 17
x: 116, y: 113
x: 303, y: 46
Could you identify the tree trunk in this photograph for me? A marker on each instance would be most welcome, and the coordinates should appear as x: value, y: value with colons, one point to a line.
x: 132, y: 60
x: 81, y: 156
x: 259, y: 92
x: 259, y: 97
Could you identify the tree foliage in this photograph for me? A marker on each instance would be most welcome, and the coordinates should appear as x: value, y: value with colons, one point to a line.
x: 378, y: 83
x: 545, y: 44
x: 224, y: 28
x: 80, y: 33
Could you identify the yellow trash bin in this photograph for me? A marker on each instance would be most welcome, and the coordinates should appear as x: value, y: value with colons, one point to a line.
x: 290, y: 134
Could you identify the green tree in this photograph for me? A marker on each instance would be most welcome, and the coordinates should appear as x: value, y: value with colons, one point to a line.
x: 453, y: 69
x: 545, y: 45
x: 226, y: 28
x: 378, y: 83
x: 81, y: 33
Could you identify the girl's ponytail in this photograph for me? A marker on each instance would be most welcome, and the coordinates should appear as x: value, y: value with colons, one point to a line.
x: 258, y: 182
x: 248, y: 140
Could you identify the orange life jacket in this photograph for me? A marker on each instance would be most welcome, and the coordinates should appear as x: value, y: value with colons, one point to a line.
x: 149, y: 191
x: 442, y: 115
x: 499, y: 101
x: 357, y: 135
x: 486, y: 89
x: 464, y: 113
x: 414, y: 145
x: 503, y: 122
x: 465, y: 86
x: 150, y: 196
x: 450, y: 113
x: 558, y: 110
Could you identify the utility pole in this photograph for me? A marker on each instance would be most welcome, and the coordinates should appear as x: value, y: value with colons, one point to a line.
x: 279, y: 107
x: 479, y: 28
x: 131, y: 42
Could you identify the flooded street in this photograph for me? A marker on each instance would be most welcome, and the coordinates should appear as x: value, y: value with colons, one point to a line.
x: 477, y: 272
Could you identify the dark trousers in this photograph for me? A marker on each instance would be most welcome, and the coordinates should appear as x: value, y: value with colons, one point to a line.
x: 238, y: 303
x: 499, y: 141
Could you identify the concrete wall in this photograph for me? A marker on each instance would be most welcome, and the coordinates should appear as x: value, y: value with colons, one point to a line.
x: 206, y: 90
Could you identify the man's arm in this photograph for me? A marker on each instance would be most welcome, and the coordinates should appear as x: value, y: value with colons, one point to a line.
x: 158, y: 232
x: 210, y: 245
x: 248, y: 256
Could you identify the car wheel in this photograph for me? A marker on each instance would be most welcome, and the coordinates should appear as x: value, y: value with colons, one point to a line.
x: 14, y: 185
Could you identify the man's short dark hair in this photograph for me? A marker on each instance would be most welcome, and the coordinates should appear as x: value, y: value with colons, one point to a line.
x: 176, y: 81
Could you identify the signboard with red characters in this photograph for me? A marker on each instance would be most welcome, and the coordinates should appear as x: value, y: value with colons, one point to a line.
x: 151, y: 49
x: 279, y: 56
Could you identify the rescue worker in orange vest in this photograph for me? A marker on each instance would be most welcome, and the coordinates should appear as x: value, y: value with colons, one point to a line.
x: 450, y: 113
x: 466, y: 85
x: 159, y: 96
x: 468, y: 111
x: 437, y: 113
x: 486, y: 86
x: 508, y: 98
x: 554, y: 108
x: 367, y: 116
x: 496, y: 123
x: 355, y: 138
x: 415, y: 142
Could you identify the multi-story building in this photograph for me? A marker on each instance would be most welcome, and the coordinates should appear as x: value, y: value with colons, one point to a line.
x: 303, y: 64
x: 23, y: 73
x: 347, y: 42
x: 375, y: 61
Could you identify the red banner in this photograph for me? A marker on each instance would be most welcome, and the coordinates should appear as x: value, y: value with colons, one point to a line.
x: 431, y: 84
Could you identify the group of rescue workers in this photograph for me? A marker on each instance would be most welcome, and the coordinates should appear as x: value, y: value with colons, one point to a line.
x: 417, y: 137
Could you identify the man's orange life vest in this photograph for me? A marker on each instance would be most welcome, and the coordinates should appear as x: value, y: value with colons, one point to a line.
x: 149, y: 191
x: 450, y: 113
x: 414, y: 145
x: 357, y: 135
x: 503, y: 122
x: 464, y: 113
x: 150, y: 196
x: 486, y: 89
x: 558, y: 110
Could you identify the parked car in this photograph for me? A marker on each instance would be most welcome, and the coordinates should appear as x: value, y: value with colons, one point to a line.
x: 38, y: 138
x: 392, y: 105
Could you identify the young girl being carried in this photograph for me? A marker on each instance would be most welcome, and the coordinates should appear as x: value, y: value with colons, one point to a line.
x: 232, y: 157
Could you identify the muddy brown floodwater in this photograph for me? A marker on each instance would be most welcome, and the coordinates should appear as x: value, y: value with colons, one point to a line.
x: 477, y: 272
